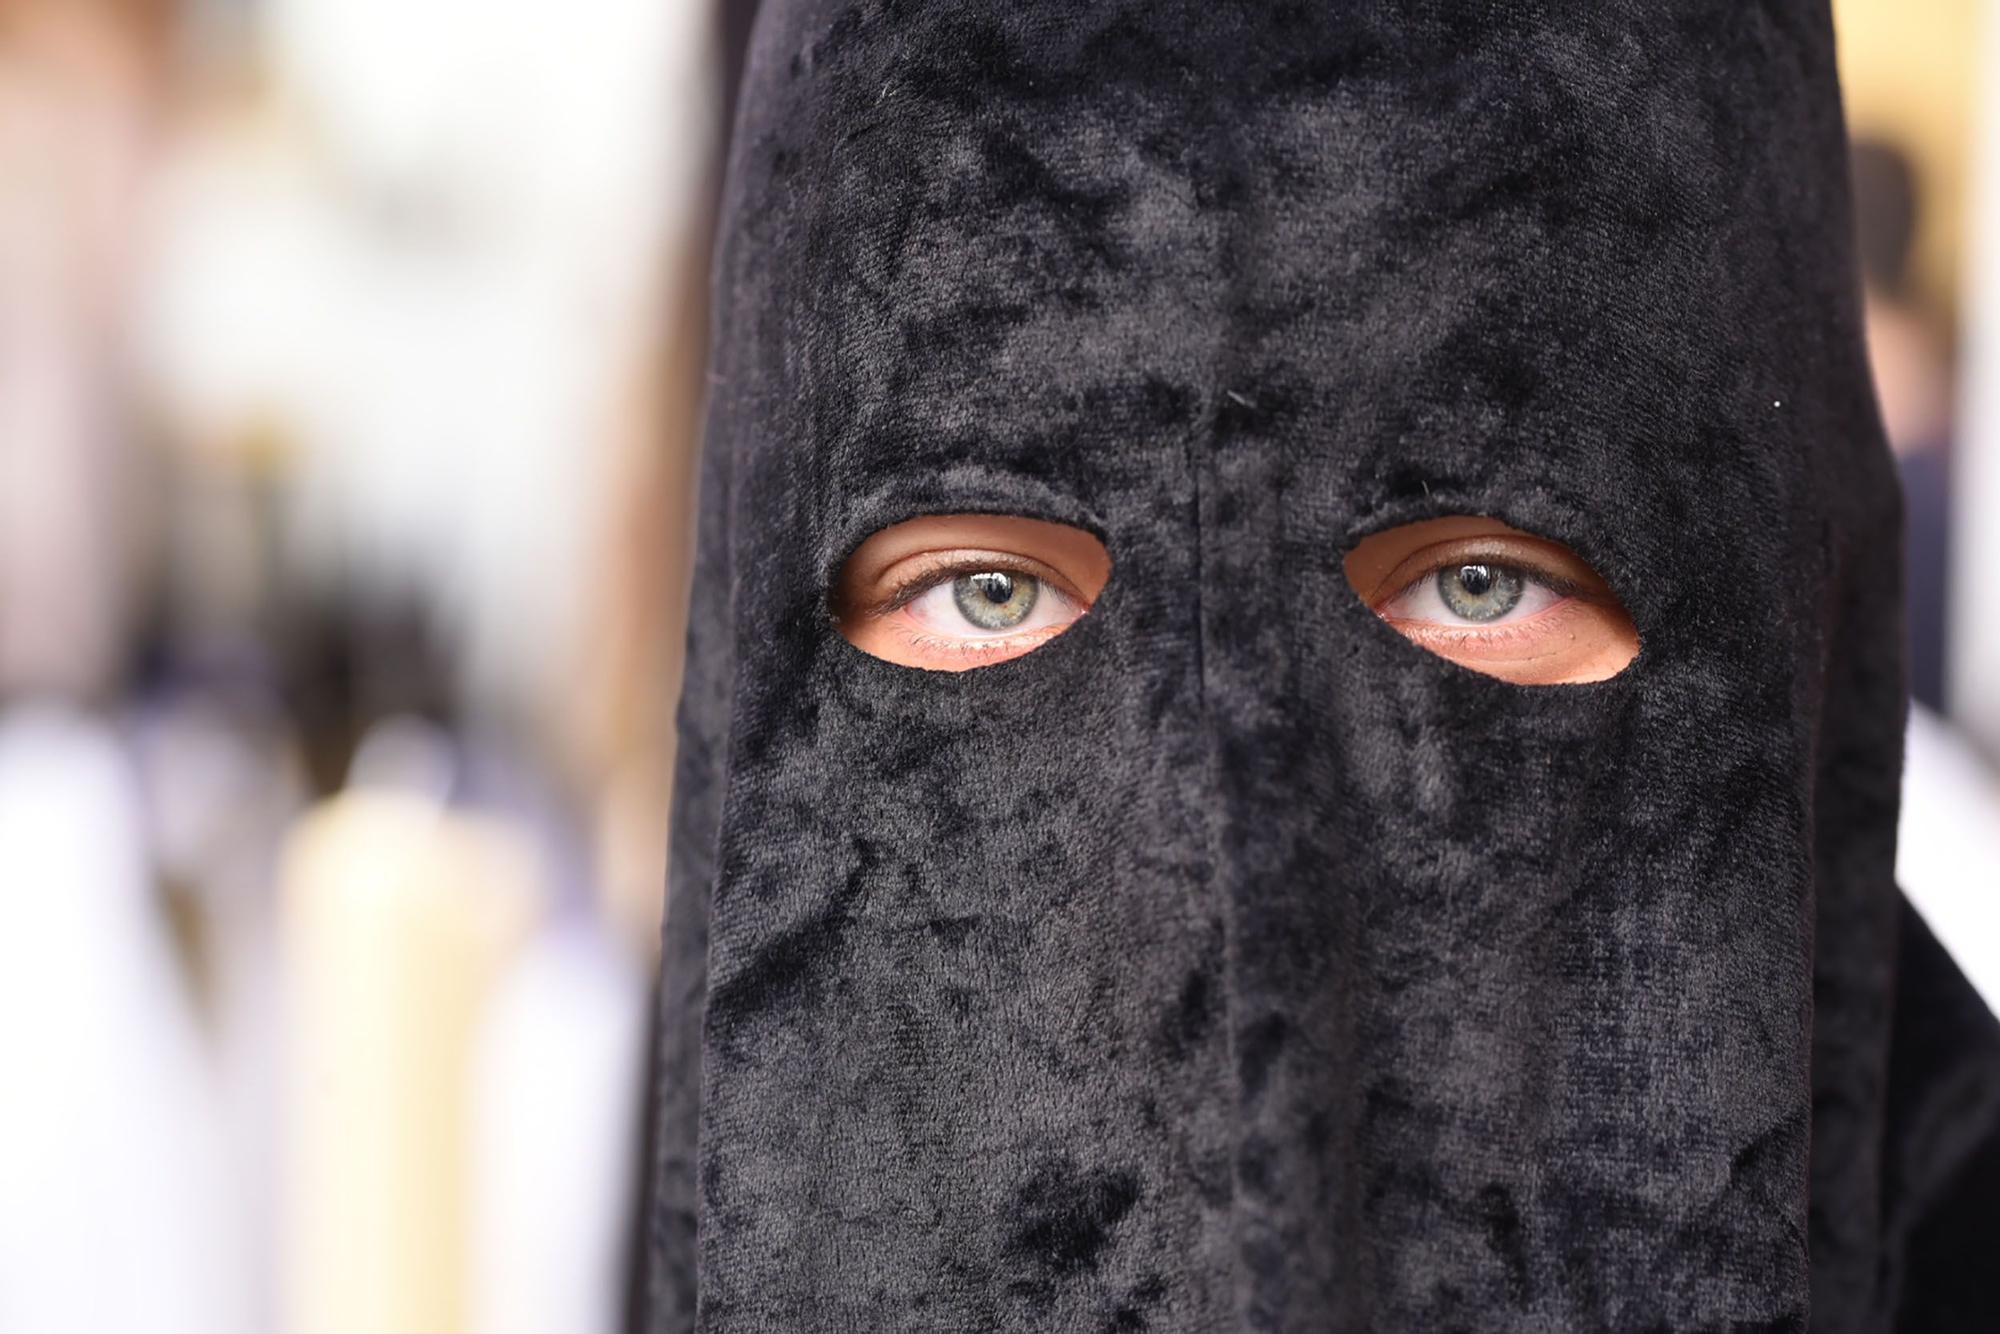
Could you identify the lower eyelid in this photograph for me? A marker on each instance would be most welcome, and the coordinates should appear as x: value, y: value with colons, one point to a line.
x: 980, y: 647
x: 1556, y: 600
x: 1535, y: 626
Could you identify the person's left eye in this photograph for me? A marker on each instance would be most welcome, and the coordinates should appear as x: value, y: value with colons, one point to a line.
x: 979, y: 604
x: 1474, y: 593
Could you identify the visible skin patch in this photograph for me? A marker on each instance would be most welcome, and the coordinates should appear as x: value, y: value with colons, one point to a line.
x: 953, y: 592
x: 1494, y: 599
x: 950, y: 592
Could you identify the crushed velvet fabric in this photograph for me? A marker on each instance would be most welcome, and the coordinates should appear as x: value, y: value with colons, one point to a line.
x: 1230, y: 962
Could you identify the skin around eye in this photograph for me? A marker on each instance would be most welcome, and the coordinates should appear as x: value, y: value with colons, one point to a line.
x: 1495, y: 599
x: 950, y: 592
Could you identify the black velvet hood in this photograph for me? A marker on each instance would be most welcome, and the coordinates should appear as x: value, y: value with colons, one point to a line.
x: 1230, y: 962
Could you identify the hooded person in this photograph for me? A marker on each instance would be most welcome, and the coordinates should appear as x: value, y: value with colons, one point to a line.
x: 1441, y: 877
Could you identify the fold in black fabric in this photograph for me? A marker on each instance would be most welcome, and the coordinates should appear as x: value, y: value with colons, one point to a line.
x: 1230, y: 962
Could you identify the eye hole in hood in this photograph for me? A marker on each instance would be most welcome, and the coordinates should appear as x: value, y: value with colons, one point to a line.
x: 1495, y: 599
x: 951, y: 592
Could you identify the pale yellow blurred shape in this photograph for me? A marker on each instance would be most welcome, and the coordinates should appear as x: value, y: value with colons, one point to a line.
x: 399, y: 918
x: 1909, y: 74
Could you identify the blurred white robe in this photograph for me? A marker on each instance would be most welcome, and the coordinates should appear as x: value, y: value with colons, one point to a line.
x: 1948, y: 847
x: 116, y: 1213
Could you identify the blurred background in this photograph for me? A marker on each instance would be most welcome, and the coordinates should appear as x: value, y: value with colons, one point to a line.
x: 350, y: 379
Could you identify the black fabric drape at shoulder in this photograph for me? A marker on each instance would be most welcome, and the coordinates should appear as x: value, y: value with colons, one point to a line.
x: 1230, y: 962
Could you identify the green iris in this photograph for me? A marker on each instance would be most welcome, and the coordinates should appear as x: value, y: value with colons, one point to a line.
x: 995, y: 599
x: 1479, y: 592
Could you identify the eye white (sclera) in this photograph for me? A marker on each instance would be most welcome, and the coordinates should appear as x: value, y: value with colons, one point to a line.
x: 937, y: 610
x: 1423, y: 601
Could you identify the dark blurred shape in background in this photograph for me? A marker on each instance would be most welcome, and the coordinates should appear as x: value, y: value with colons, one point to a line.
x: 1907, y: 345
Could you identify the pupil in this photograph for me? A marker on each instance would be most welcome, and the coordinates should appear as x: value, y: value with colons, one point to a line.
x: 996, y: 588
x: 1475, y: 579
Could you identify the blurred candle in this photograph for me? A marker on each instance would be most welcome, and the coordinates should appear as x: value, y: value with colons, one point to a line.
x: 399, y: 915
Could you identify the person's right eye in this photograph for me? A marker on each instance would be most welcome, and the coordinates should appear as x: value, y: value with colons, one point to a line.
x: 1496, y: 600
x: 990, y: 598
x: 1477, y: 592
x: 952, y: 592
